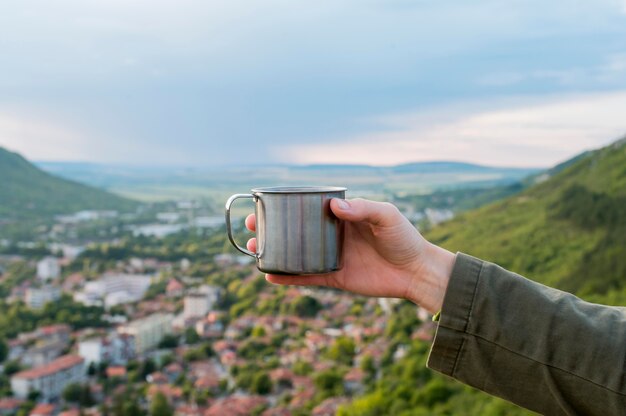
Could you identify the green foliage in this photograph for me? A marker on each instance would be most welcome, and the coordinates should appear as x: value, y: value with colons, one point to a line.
x: 169, y: 341
x: 305, y: 306
x: 567, y: 232
x: 16, y: 317
x: 28, y: 193
x: 4, y: 350
x: 329, y: 382
x: 342, y: 350
x: 79, y: 394
x: 191, y: 336
x: 302, y: 368
x: 261, y: 384
x: 160, y: 406
x: 199, y: 353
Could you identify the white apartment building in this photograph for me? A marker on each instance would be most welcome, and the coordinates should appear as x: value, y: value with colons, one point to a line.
x: 48, y: 268
x: 36, y: 298
x: 114, y: 289
x: 148, y: 331
x: 200, y: 302
x: 115, y: 349
x: 49, y: 379
x: 196, y: 305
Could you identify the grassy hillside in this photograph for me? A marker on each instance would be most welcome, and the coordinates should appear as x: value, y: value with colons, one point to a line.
x: 27, y: 192
x: 568, y: 232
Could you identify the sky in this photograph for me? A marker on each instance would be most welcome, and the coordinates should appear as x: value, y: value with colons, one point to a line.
x: 250, y: 82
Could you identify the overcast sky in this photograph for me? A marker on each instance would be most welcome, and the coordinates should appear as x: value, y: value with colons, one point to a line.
x: 197, y: 82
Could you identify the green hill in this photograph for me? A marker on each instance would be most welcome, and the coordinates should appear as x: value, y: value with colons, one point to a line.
x: 27, y: 192
x: 568, y: 231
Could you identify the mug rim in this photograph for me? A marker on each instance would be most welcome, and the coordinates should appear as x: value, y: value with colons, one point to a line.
x: 298, y: 189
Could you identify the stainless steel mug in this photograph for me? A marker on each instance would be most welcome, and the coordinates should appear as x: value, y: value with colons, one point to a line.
x: 296, y: 230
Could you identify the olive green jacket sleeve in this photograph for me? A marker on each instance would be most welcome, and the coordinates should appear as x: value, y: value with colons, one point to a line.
x: 538, y: 347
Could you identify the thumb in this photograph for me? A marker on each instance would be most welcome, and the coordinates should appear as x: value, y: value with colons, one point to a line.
x: 354, y: 210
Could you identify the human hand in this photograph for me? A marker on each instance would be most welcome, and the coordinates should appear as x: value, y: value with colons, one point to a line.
x: 384, y: 256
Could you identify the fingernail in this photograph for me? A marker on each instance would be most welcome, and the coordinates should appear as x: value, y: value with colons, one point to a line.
x: 343, y: 204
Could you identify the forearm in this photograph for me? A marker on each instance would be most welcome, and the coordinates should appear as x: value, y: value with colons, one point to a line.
x: 432, y: 278
x: 538, y: 347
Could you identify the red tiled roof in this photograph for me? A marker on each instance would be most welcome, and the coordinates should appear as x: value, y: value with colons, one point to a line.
x: 173, y: 285
x: 70, y: 412
x: 116, y: 371
x: 235, y: 406
x: 355, y: 375
x: 53, y: 329
x: 43, y: 409
x: 61, y: 363
x: 10, y: 403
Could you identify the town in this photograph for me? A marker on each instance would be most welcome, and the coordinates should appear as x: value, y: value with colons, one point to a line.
x: 161, y: 317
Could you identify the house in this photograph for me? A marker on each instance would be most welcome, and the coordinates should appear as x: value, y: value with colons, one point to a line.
x: 189, y: 410
x: 353, y: 380
x: 172, y: 393
x: 44, y: 409
x: 116, y: 372
x: 235, y: 406
x: 329, y: 406
x: 50, y: 379
x: 174, y: 288
x: 9, y: 405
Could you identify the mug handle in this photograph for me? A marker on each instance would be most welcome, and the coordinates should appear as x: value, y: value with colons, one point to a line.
x: 229, y: 203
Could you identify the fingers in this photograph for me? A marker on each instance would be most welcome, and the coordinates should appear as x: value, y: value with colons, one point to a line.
x: 310, y: 280
x: 376, y: 213
x: 251, y: 245
x: 251, y: 222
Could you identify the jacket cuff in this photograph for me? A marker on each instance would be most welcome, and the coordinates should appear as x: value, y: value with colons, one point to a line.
x: 455, y: 314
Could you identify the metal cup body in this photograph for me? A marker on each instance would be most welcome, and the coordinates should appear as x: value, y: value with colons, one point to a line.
x: 297, y: 233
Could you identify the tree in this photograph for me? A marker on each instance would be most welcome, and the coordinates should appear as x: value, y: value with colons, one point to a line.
x: 160, y: 406
x: 306, y: 306
x: 191, y: 336
x: 329, y: 382
x: 4, y: 350
x: 342, y: 350
x: 92, y: 370
x: 78, y: 393
x: 147, y: 367
x: 261, y: 383
x: 169, y: 341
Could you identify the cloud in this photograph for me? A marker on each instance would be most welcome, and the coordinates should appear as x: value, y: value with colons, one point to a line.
x: 540, y: 132
x: 50, y: 137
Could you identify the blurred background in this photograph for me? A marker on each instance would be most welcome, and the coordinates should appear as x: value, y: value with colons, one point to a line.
x: 497, y: 128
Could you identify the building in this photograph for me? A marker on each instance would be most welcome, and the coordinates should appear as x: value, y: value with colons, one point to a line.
x: 115, y: 349
x: 174, y: 288
x: 36, y: 298
x: 48, y: 268
x: 114, y: 289
x: 43, y: 354
x: 50, y: 379
x: 148, y: 331
x: 198, y: 303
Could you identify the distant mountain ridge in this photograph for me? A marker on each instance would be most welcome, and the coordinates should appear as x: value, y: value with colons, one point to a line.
x: 28, y: 192
x: 568, y: 230
x: 171, y: 181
